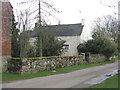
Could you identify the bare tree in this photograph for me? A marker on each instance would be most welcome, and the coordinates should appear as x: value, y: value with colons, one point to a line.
x: 116, y: 5
x: 36, y: 11
x: 23, y: 26
x: 111, y: 4
x: 39, y: 10
x: 106, y: 27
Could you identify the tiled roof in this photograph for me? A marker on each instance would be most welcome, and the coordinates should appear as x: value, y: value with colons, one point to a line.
x: 60, y: 30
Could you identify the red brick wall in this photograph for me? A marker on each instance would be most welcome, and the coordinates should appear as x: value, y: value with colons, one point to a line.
x: 6, y: 25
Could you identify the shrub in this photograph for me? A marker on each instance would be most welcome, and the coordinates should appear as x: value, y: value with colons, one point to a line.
x: 98, y: 46
x: 109, y: 49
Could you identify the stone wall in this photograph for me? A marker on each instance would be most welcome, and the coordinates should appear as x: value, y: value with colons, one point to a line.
x: 33, y: 65
x: 4, y: 63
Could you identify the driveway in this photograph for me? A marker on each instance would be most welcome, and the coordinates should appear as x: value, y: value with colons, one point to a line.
x: 75, y: 79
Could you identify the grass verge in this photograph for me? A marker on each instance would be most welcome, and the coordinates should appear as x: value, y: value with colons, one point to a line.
x: 8, y: 77
x: 110, y: 83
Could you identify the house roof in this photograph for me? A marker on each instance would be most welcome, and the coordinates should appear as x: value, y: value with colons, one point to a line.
x: 61, y: 30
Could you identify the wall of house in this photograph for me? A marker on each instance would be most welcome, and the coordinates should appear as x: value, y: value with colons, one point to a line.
x: 6, y: 25
x: 33, y: 65
x: 73, y: 42
x: 0, y: 36
x: 32, y: 40
x: 5, y: 34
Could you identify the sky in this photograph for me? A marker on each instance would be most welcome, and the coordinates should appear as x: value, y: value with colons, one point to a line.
x: 72, y: 11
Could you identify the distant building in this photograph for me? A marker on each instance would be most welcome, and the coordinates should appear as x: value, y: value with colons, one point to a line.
x: 6, y: 13
x: 71, y: 33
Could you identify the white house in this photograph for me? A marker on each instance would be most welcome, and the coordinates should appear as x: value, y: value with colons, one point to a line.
x: 73, y: 34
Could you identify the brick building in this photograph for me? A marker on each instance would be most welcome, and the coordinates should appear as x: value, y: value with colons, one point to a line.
x: 6, y: 12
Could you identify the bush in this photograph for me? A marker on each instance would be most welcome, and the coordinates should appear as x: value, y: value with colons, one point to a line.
x: 81, y: 48
x: 31, y: 51
x: 50, y: 46
x: 98, y: 46
x: 109, y: 49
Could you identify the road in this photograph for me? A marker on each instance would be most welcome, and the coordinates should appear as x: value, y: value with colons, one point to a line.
x: 75, y: 79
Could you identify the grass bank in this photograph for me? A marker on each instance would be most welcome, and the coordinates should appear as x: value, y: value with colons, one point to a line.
x: 8, y: 77
x: 110, y: 83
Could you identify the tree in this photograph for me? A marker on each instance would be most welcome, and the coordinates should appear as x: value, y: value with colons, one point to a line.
x: 110, y: 3
x: 82, y: 48
x: 50, y: 46
x: 99, y: 46
x: 106, y: 27
x: 109, y: 48
x: 38, y: 9
x: 24, y: 27
x: 15, y: 39
x: 24, y: 44
x: 114, y: 4
x: 105, y: 37
x: 31, y: 52
x: 35, y: 11
x: 93, y: 46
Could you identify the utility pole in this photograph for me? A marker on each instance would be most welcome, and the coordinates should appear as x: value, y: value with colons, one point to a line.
x: 40, y: 32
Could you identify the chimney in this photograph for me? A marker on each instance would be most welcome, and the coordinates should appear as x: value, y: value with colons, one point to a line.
x: 83, y: 21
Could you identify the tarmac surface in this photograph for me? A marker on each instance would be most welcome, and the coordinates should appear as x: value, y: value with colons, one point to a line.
x: 77, y: 79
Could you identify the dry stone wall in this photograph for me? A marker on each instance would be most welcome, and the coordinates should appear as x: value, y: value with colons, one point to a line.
x: 4, y: 63
x: 33, y: 65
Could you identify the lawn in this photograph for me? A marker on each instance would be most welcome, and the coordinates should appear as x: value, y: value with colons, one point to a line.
x: 110, y: 83
x: 7, y: 77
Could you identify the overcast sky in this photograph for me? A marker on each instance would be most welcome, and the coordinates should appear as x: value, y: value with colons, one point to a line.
x: 74, y: 10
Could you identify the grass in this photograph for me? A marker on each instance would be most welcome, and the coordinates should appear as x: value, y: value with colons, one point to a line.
x: 8, y: 77
x: 110, y: 83
x: 118, y: 58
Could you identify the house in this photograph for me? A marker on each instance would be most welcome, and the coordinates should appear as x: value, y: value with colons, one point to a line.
x: 6, y: 13
x: 71, y: 33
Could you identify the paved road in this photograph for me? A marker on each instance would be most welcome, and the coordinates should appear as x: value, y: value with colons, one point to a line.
x: 74, y: 79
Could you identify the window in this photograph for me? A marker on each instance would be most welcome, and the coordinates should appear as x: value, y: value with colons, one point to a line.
x: 66, y: 47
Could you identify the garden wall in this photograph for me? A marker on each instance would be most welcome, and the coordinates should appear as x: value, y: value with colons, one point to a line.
x: 4, y: 63
x: 33, y: 65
